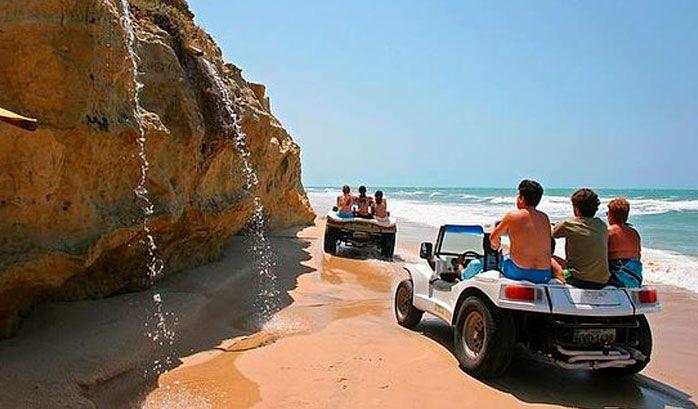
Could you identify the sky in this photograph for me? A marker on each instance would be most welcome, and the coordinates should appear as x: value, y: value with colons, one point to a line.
x: 475, y: 94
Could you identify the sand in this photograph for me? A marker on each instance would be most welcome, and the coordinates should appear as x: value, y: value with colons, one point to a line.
x: 333, y: 343
x: 338, y: 346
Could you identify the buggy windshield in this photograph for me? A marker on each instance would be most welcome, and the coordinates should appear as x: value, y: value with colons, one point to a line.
x: 456, y: 239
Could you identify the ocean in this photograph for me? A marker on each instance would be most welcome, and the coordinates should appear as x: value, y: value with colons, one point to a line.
x: 666, y: 219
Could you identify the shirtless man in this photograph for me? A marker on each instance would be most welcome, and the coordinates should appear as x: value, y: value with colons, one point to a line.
x: 529, y: 233
x: 624, y: 246
x: 345, y: 203
x: 363, y: 204
x: 380, y: 206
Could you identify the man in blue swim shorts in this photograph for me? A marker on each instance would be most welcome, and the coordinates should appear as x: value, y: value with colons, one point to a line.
x: 514, y: 272
x: 529, y: 234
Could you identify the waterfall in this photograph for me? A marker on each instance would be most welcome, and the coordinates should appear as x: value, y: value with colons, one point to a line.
x: 159, y: 331
x: 260, y: 246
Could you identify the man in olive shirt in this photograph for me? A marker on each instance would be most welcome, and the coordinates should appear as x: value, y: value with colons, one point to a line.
x: 586, y: 244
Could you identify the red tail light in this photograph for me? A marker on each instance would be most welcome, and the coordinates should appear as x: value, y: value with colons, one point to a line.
x: 647, y: 296
x: 519, y: 293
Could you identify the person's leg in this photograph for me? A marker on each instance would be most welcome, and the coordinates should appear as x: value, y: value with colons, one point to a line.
x: 558, y: 271
x: 560, y: 261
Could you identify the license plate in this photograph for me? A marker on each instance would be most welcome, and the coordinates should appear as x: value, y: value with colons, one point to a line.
x: 594, y: 336
x: 593, y: 297
x: 360, y: 235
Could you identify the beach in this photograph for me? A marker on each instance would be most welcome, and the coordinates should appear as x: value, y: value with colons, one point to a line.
x: 333, y: 342
x: 163, y: 236
x: 337, y: 345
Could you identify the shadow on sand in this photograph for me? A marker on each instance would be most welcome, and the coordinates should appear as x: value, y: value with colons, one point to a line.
x: 95, y: 353
x: 535, y: 382
x: 364, y: 253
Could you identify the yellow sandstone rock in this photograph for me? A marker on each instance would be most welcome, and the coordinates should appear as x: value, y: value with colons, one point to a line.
x: 69, y: 224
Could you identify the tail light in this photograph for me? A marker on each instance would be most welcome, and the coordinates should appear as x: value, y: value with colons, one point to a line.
x: 647, y: 296
x: 519, y: 293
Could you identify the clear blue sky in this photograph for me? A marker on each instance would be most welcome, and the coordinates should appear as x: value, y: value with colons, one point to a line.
x: 454, y: 93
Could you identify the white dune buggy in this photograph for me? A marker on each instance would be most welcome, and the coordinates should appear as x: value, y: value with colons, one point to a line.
x: 603, y: 330
x: 358, y: 232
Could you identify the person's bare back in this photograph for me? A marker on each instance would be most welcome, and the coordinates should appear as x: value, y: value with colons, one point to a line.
x: 529, y: 233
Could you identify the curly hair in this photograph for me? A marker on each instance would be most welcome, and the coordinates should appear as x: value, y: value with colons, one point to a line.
x: 618, y: 209
x: 586, y: 202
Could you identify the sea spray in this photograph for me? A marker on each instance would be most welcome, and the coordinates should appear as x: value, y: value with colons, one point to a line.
x: 260, y: 248
x: 158, y: 330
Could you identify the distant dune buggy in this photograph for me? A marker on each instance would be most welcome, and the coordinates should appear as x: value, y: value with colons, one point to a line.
x: 602, y: 330
x: 358, y: 232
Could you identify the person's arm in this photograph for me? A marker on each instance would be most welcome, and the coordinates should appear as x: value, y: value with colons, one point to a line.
x: 559, y: 229
x: 496, y: 235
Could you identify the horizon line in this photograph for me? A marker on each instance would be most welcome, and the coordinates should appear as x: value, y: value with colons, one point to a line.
x: 500, y: 187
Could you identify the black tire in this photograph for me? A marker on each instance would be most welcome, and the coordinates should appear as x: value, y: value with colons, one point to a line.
x: 484, y: 338
x: 643, y: 336
x: 388, y: 245
x: 406, y: 314
x: 331, y: 238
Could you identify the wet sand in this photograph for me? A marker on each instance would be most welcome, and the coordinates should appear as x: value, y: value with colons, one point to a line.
x: 332, y: 343
x: 337, y: 345
x: 95, y: 353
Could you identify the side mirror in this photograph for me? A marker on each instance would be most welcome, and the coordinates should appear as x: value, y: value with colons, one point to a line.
x: 426, y: 250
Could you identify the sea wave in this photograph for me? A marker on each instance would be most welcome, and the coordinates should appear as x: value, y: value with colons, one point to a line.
x: 661, y: 266
x: 668, y: 267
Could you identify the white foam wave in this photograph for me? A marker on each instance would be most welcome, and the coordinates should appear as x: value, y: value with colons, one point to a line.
x: 503, y: 200
x: 556, y: 206
x: 412, y: 193
x: 668, y: 267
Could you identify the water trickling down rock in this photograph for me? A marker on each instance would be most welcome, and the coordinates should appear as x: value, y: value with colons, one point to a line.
x: 69, y: 226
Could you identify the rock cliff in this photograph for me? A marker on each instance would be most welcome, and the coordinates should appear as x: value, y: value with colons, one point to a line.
x: 70, y: 226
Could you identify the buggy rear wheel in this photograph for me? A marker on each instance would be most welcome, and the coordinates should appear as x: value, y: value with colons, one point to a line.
x: 387, y: 245
x: 406, y: 313
x: 484, y: 338
x: 331, y: 238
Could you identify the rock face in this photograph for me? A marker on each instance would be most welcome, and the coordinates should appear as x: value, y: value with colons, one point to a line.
x: 70, y: 226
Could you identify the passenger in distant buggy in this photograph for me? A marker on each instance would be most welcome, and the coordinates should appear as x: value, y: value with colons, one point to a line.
x: 345, y: 203
x: 379, y: 209
x: 363, y: 204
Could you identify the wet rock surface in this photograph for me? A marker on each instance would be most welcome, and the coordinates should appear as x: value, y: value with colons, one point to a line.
x: 70, y: 226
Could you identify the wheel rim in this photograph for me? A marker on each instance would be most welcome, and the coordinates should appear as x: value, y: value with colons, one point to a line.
x: 473, y: 334
x: 403, y: 301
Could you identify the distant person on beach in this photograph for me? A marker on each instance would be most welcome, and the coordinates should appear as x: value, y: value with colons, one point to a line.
x: 380, y: 206
x: 345, y: 203
x: 530, y: 254
x: 586, y: 245
x: 623, y: 246
x: 363, y: 204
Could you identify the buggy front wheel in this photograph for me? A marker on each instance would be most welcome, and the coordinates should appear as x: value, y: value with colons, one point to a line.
x: 406, y: 314
x: 484, y: 337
